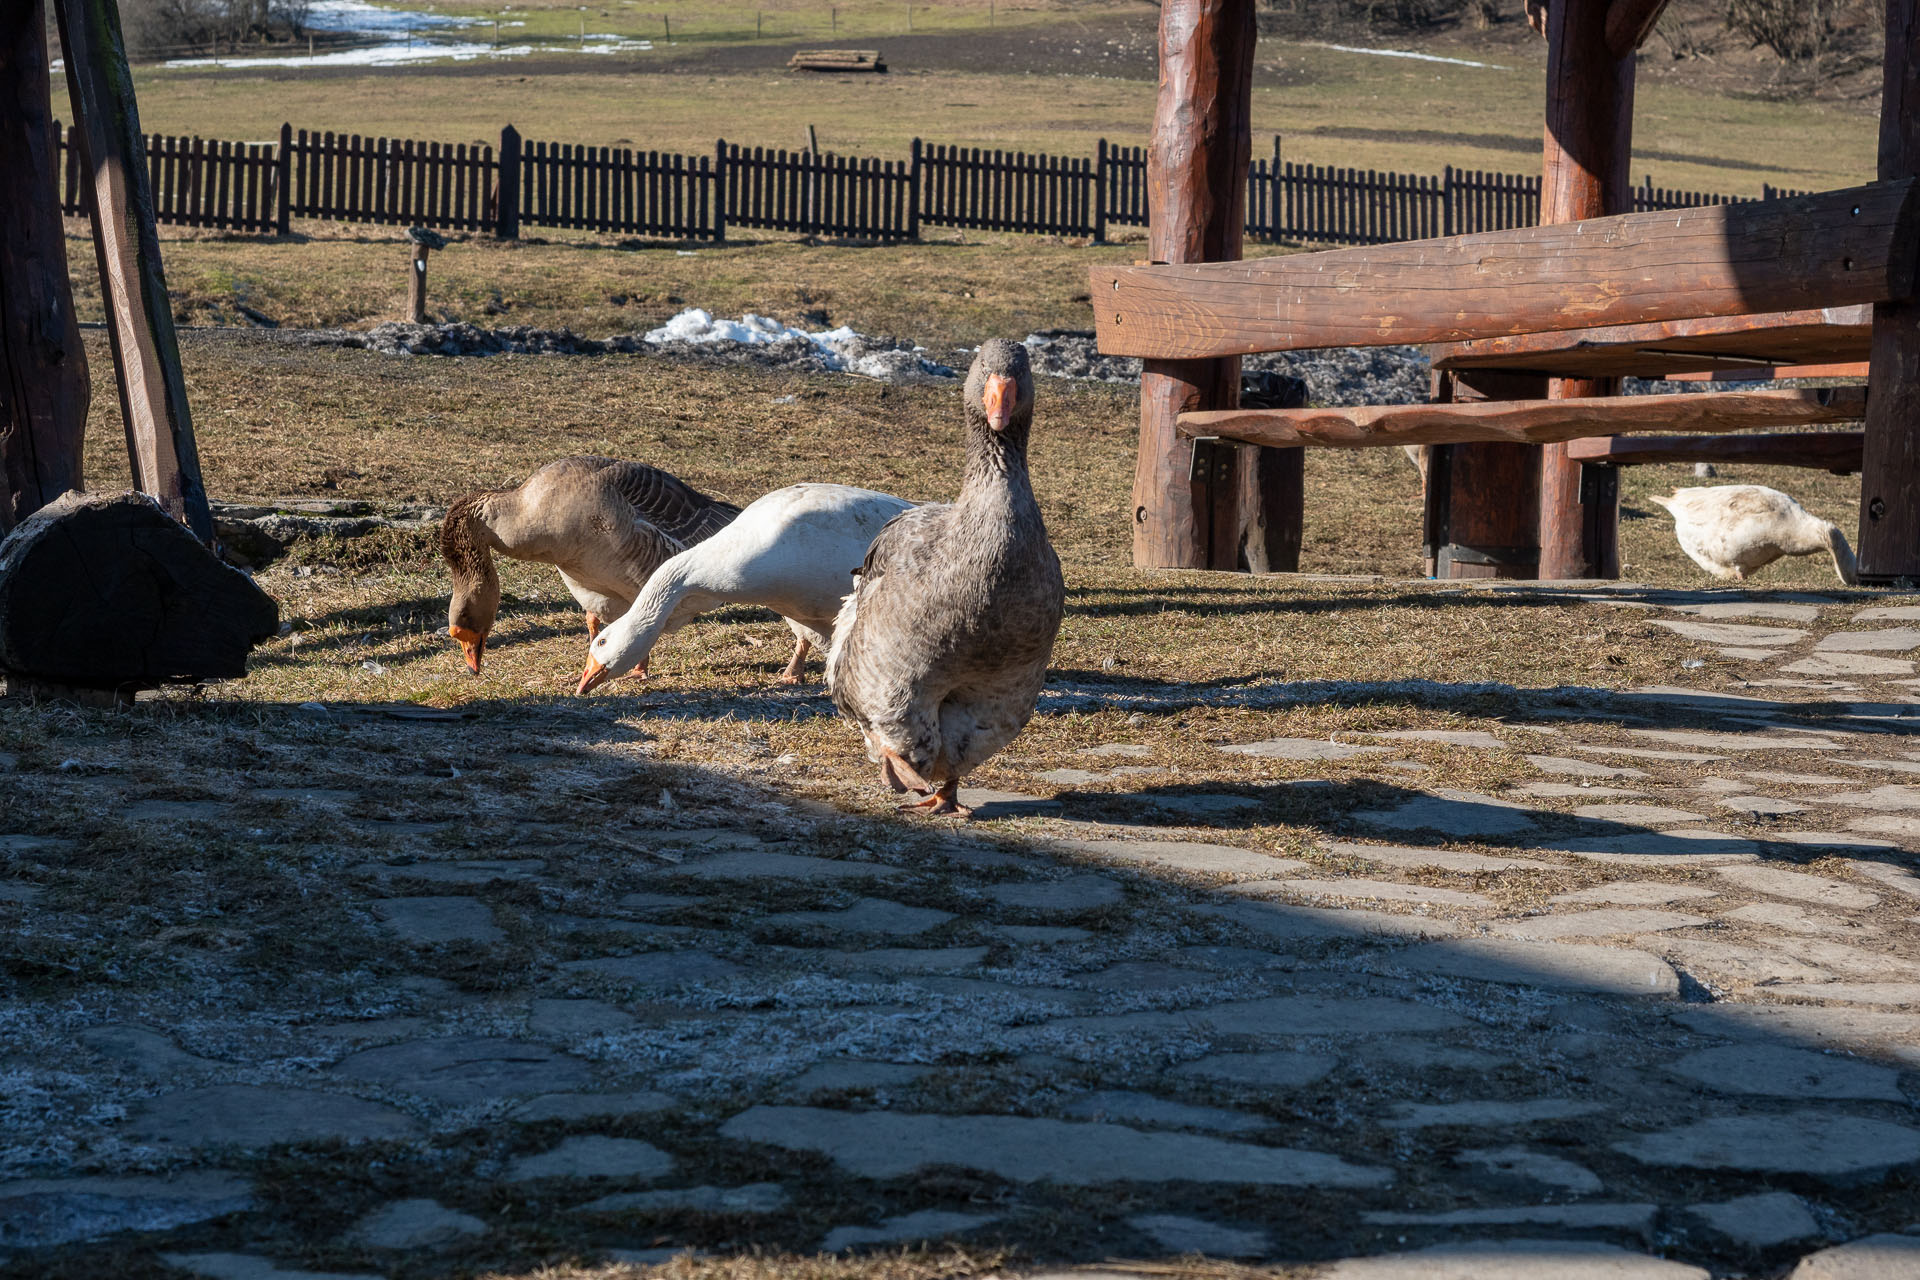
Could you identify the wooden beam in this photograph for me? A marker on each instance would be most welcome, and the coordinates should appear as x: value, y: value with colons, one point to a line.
x: 1832, y: 249
x: 1197, y: 172
x: 1588, y: 144
x: 1629, y: 23
x: 1774, y: 373
x: 146, y: 351
x: 1529, y: 421
x: 1809, y: 336
x: 1890, y: 475
x: 43, y: 368
x: 1835, y: 451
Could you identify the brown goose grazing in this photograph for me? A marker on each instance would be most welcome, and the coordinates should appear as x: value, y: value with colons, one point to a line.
x: 605, y: 524
x: 940, y: 652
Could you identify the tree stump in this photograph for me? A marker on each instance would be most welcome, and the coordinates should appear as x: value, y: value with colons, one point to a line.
x: 106, y: 591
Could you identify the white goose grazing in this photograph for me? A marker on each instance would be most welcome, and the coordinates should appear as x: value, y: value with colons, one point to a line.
x: 1735, y: 529
x: 605, y: 524
x: 941, y: 649
x: 793, y: 551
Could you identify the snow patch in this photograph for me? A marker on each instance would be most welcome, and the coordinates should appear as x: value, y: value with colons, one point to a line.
x: 840, y: 350
x: 1407, y: 53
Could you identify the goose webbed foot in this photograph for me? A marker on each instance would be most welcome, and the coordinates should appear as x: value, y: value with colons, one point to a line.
x: 797, y: 665
x: 946, y: 800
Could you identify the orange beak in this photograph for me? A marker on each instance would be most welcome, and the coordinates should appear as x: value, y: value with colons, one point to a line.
x: 472, y: 643
x: 593, y: 677
x: 999, y: 395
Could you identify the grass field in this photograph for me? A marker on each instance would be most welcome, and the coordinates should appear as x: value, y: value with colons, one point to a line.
x: 1051, y: 77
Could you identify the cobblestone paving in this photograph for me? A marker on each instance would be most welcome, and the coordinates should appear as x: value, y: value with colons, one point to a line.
x: 388, y: 1008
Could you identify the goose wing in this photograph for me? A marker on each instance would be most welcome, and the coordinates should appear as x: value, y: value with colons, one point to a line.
x: 669, y: 504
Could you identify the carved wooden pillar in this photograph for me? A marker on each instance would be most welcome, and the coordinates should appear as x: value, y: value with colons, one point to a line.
x: 1890, y: 479
x: 1588, y: 149
x: 1197, y: 179
x: 43, y: 368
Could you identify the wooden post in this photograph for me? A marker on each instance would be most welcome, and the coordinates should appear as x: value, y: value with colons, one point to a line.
x: 720, y: 182
x: 1482, y: 500
x: 506, y: 216
x: 1197, y: 173
x: 43, y: 368
x: 1272, y: 498
x: 417, y: 284
x: 1890, y: 477
x: 1588, y: 143
x: 146, y: 351
x: 283, y: 181
x: 1100, y: 193
x: 913, y: 192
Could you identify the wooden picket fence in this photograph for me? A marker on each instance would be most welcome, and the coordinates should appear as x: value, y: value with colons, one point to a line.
x: 324, y: 176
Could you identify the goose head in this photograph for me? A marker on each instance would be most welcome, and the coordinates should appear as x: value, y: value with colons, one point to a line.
x: 999, y: 391
x: 476, y: 584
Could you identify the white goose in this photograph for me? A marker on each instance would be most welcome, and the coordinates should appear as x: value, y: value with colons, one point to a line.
x: 1733, y: 530
x: 794, y: 551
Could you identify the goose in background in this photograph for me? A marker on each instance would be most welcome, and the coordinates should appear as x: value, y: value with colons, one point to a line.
x: 1734, y: 530
x: 793, y: 551
x: 940, y: 652
x: 606, y: 525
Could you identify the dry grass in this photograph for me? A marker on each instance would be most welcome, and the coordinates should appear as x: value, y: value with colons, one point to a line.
x: 1059, y: 80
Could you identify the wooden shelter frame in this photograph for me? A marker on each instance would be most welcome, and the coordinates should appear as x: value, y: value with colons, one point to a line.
x: 1530, y: 329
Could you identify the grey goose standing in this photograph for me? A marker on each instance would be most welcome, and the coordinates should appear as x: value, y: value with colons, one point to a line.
x: 940, y: 651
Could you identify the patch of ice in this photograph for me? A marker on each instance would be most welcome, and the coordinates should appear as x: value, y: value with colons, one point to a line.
x: 395, y: 54
x: 1406, y: 53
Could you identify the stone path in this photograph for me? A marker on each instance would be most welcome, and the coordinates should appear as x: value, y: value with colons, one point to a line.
x: 1606, y: 984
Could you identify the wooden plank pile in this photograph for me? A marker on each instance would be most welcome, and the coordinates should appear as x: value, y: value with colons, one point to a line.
x: 837, y: 60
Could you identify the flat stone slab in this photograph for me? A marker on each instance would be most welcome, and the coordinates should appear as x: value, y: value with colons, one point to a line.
x: 657, y: 968
x: 1799, y: 886
x: 1713, y: 741
x: 1442, y: 859
x: 1574, y: 791
x: 415, y: 1224
x: 869, y: 915
x: 1072, y: 895
x: 1476, y: 738
x: 754, y: 864
x: 145, y: 1049
x: 593, y: 1156
x: 1287, y: 922
x: 1849, y: 664
x: 246, y: 1266
x: 1205, y: 805
x: 1797, y: 919
x: 1639, y: 814
x: 1130, y: 750
x: 888, y: 1144
x: 1454, y: 813
x: 1121, y: 1106
x: 1604, y: 923
x: 755, y: 1197
x: 1515, y: 1260
x: 576, y: 1019
x: 1532, y: 1166
x: 1638, y: 1217
x: 1500, y: 1113
x: 246, y: 1115
x: 1367, y: 890
x: 1635, y: 893
x: 1176, y: 1234
x: 1301, y: 749
x: 1872, y: 1030
x: 39, y: 1212
x: 1894, y: 797
x: 468, y: 871
x: 917, y: 1227
x: 1751, y: 609
x: 1782, y: 1072
x: 1662, y: 848
x: 1761, y: 806
x: 1731, y: 632
x: 1284, y: 1069
x: 988, y: 804
x: 431, y: 921
x: 1881, y: 1257
x: 1567, y: 766
x: 1724, y: 962
x: 1819, y: 1144
x: 1893, y: 993
x: 462, y: 1070
x: 1885, y: 640
x: 1275, y: 1016
x: 1195, y: 856
x: 592, y: 1106
x: 1556, y: 965
x: 1039, y: 935
x: 1757, y: 1221
x: 850, y: 1073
